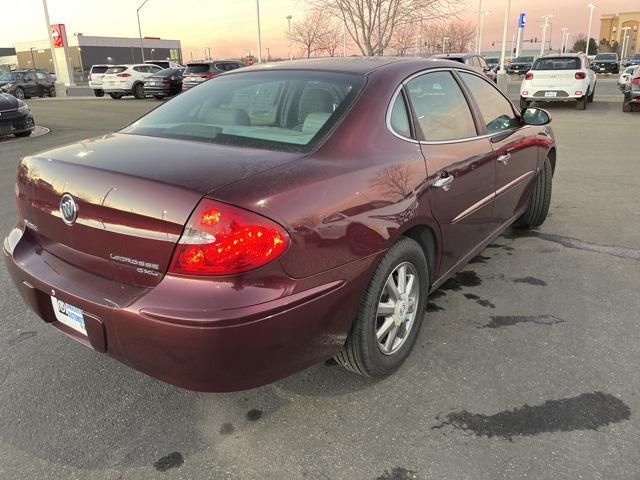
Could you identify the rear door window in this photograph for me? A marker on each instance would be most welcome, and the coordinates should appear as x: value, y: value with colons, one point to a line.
x: 399, y: 118
x: 95, y: 69
x: 114, y: 70
x: 496, y: 110
x: 42, y: 76
x: 441, y: 109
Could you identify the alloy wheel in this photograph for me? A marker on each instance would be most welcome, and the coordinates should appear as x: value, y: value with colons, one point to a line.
x: 397, y: 308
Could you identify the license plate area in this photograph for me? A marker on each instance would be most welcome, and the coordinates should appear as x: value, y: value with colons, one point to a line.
x: 69, y: 315
x: 550, y: 94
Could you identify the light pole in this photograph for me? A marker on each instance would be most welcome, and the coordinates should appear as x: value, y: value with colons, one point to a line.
x: 486, y: 12
x: 479, y: 27
x: 544, y: 31
x: 33, y: 60
x: 591, y: 9
x: 259, y: 37
x: 140, y: 28
x: 81, y: 66
x: 504, y: 40
x: 444, y: 41
x: 207, y: 52
x: 289, y: 17
x: 625, y: 44
x: 563, y: 46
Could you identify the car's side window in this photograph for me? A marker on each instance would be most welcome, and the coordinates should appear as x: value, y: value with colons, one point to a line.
x: 496, y: 110
x: 29, y: 77
x: 41, y: 76
x: 441, y: 110
x: 483, y: 62
x: 399, y: 119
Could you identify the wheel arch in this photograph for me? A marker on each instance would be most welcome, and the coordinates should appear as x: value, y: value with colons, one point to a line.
x: 426, y: 238
x: 552, y: 159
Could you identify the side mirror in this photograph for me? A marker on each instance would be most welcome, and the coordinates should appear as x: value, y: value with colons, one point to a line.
x: 535, y: 116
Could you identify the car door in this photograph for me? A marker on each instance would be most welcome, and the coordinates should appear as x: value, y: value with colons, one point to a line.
x: 514, y: 145
x: 30, y: 85
x: 460, y: 165
x: 43, y: 83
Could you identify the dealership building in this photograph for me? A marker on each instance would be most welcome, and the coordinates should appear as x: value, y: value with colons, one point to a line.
x: 614, y: 25
x: 85, y: 50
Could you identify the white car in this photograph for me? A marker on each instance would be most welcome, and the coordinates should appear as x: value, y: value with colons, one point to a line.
x: 163, y: 63
x: 559, y: 78
x: 625, y: 76
x: 95, y: 78
x: 121, y: 80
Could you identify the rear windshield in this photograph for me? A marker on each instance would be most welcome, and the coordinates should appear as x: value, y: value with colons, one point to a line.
x: 523, y: 60
x: 197, y: 68
x: 159, y: 64
x: 118, y: 69
x: 10, y: 76
x: 557, y: 63
x: 455, y: 59
x: 606, y: 56
x: 278, y: 110
x: 95, y: 69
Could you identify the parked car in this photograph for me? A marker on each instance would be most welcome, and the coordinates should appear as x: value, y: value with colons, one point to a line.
x: 28, y: 83
x: 199, y: 72
x: 606, y: 63
x: 474, y: 61
x: 563, y: 77
x: 96, y: 74
x: 625, y: 77
x: 15, y: 117
x: 632, y: 92
x: 121, y: 80
x: 165, y: 83
x: 494, y: 63
x: 520, y: 65
x: 277, y: 216
x: 163, y: 63
x: 635, y: 60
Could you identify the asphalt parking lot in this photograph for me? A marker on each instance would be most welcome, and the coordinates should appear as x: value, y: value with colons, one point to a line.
x: 527, y: 365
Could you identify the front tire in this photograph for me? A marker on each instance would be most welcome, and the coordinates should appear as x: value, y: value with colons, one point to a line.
x: 138, y: 91
x: 592, y: 95
x: 23, y: 134
x: 98, y: 93
x: 115, y: 96
x: 626, y: 107
x: 581, y: 104
x: 390, y: 314
x: 52, y: 91
x: 538, y: 208
x: 19, y: 93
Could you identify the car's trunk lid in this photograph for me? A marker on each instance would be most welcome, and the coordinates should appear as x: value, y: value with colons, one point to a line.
x: 553, y: 78
x: 133, y: 194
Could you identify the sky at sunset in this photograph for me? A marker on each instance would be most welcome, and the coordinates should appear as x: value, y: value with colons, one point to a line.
x: 229, y: 27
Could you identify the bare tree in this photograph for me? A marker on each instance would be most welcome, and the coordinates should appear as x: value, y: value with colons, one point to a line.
x: 405, y: 38
x: 448, y: 37
x: 331, y: 38
x: 310, y: 32
x: 371, y: 23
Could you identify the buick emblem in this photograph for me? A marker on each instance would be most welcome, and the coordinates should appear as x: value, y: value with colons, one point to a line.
x: 68, y: 209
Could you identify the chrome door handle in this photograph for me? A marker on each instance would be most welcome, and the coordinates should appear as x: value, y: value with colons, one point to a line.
x: 443, y: 182
x: 504, y: 159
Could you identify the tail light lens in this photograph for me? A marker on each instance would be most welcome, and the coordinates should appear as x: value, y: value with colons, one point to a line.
x: 635, y: 81
x: 528, y: 76
x: 123, y: 74
x: 220, y: 239
x: 210, y: 75
x: 581, y: 75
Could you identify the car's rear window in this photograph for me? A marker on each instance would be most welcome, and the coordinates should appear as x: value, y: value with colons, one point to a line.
x: 557, y: 63
x: 118, y: 69
x: 159, y: 64
x: 636, y: 57
x: 197, y: 68
x: 523, y: 60
x: 606, y: 56
x: 95, y: 69
x: 10, y: 76
x: 279, y: 110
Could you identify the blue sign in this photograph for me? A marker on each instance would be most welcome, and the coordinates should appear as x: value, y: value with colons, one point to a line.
x: 522, y: 19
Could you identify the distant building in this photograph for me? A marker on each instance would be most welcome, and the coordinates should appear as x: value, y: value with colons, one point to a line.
x: 611, y: 25
x: 85, y: 50
x: 8, y: 59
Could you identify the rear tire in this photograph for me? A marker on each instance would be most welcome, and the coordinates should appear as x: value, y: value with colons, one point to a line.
x: 23, y: 134
x: 115, y: 96
x: 138, y: 91
x: 52, y: 91
x: 524, y: 104
x: 592, y: 95
x: 158, y: 97
x: 19, y: 94
x: 538, y: 208
x: 581, y: 104
x: 387, y: 324
x: 627, y: 107
x: 98, y: 93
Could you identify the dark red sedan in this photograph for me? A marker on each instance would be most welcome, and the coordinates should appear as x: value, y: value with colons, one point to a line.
x: 277, y: 216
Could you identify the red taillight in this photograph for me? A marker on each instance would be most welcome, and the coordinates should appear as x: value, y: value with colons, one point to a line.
x: 123, y: 74
x: 210, y: 75
x: 220, y: 239
x: 528, y: 76
x: 635, y: 81
x: 581, y: 75
x: 89, y: 77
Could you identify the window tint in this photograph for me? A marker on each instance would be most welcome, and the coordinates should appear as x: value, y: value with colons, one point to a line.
x: 41, y: 76
x: 400, y: 117
x: 495, y: 109
x: 10, y: 76
x: 95, y: 69
x: 440, y: 107
x: 29, y: 77
x: 197, y: 68
x: 113, y: 70
x: 280, y: 110
x: 557, y: 63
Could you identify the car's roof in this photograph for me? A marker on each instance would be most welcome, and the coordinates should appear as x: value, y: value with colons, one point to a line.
x: 556, y: 55
x: 455, y: 55
x: 357, y: 65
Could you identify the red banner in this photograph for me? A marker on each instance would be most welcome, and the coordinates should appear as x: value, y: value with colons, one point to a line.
x: 58, y: 35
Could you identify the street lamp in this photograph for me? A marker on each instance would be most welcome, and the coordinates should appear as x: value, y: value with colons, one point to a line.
x: 207, y: 52
x: 80, y: 62
x: 591, y: 9
x: 444, y: 41
x: 544, y: 31
x: 479, y: 27
x: 33, y: 60
x: 140, y: 29
x: 483, y: 14
x: 504, y: 39
x: 625, y: 44
x: 565, y: 37
x: 259, y: 37
x: 289, y: 17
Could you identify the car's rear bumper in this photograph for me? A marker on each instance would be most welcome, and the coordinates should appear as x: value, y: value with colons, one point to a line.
x: 95, y: 85
x: 124, y: 91
x: 196, y: 347
x: 155, y: 90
